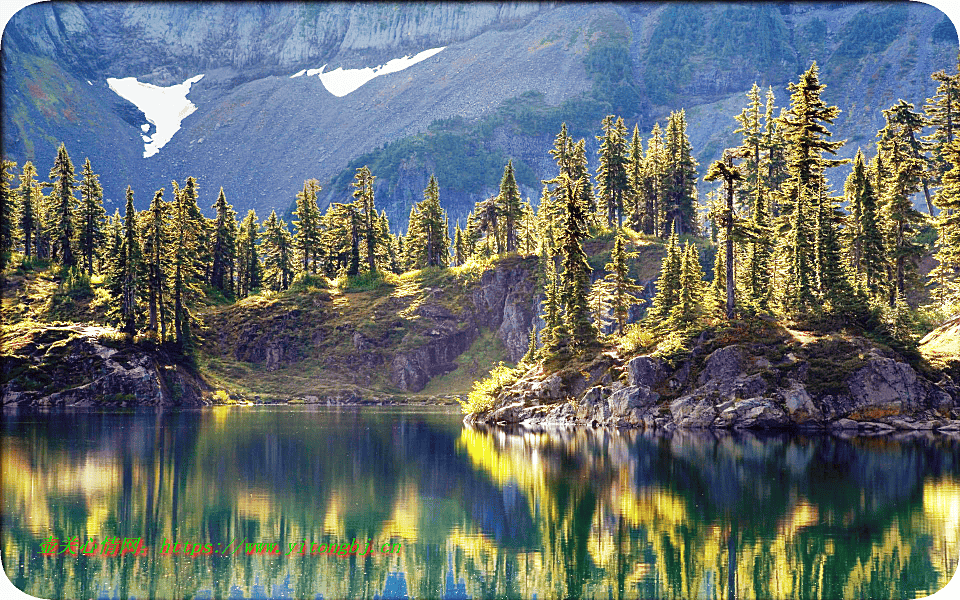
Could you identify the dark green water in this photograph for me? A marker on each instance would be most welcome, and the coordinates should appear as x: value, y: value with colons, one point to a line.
x: 467, y: 512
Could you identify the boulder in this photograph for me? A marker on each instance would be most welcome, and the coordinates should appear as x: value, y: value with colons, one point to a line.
x: 724, y: 364
x: 624, y: 401
x: 646, y: 371
x: 886, y: 387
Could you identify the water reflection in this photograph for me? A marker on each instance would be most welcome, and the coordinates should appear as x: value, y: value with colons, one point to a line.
x: 476, y: 513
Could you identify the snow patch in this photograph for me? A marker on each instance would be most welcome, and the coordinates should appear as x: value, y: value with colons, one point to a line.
x: 341, y: 82
x: 165, y: 107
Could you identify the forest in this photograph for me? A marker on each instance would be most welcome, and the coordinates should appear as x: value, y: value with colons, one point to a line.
x: 787, y: 246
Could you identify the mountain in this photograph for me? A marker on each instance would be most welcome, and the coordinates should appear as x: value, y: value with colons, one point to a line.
x: 498, y: 83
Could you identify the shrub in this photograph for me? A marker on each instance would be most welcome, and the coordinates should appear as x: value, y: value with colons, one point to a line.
x: 485, y: 391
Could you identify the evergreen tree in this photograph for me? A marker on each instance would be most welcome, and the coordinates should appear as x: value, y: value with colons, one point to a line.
x: 249, y: 273
x: 187, y: 225
x: 510, y: 206
x: 835, y: 290
x: 459, y: 249
x: 668, y: 285
x: 7, y: 212
x: 277, y: 250
x: 91, y: 216
x: 551, y: 304
x: 687, y: 311
x: 681, y: 176
x: 27, y: 193
x: 946, y: 275
x: 758, y: 264
x: 634, y: 198
x: 653, y: 219
x: 306, y: 237
x: 64, y: 182
x: 224, y: 245
x: 864, y: 240
x: 730, y: 174
x: 427, y: 239
x: 577, y: 330
x: 806, y: 136
x: 366, y: 209
x: 775, y: 148
x: 156, y: 247
x: 124, y: 275
x: 612, y: 180
x: 600, y: 299
x: 900, y: 180
x: 622, y: 289
x: 943, y: 114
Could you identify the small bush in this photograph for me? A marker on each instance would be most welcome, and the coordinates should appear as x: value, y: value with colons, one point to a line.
x: 485, y: 391
x: 636, y: 339
x: 221, y: 397
x: 306, y: 282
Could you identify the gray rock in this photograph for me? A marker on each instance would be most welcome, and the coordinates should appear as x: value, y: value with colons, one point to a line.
x: 885, y: 385
x: 693, y: 412
x: 628, y: 399
x: 800, y: 405
x: 724, y: 364
x: 646, y: 371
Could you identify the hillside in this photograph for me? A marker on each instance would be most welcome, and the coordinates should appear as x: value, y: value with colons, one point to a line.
x: 484, y: 98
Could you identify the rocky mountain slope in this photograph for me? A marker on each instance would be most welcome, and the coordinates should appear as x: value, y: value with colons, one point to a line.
x: 506, y: 78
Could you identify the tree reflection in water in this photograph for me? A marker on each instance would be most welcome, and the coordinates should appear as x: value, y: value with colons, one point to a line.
x: 478, y: 513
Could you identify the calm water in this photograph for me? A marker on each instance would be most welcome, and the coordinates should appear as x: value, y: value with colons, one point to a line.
x: 464, y: 512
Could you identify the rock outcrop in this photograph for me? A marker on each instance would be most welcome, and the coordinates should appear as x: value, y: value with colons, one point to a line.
x: 81, y: 365
x: 734, y: 388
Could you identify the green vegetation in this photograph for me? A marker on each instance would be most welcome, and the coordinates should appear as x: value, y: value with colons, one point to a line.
x: 329, y: 307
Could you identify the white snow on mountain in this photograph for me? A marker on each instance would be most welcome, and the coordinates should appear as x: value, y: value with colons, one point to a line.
x: 165, y: 107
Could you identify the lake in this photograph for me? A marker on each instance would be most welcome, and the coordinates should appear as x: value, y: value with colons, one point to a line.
x: 247, y: 502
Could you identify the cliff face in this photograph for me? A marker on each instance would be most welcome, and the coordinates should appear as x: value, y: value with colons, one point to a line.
x: 81, y: 365
x: 399, y: 336
x: 259, y: 133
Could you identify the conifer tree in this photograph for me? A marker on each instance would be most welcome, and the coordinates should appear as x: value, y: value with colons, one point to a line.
x: 277, y: 250
x: 943, y: 114
x: 622, y: 289
x: 7, y: 212
x: 551, y: 304
x: 730, y: 174
x: 654, y: 220
x: 427, y: 238
x: 156, y: 242
x: 688, y: 309
x: 249, y: 273
x: 775, y: 148
x: 635, y: 197
x: 758, y: 264
x: 124, y: 275
x: 91, y: 216
x: 577, y: 330
x: 64, y: 183
x: 459, y: 250
x: 26, y: 193
x: 806, y: 136
x: 947, y: 272
x: 668, y: 284
x: 224, y: 245
x: 367, y: 211
x: 600, y: 299
x: 510, y: 206
x: 864, y: 240
x: 187, y: 223
x: 680, y: 177
x: 835, y: 290
x: 900, y: 180
x: 612, y: 179
x: 307, y: 229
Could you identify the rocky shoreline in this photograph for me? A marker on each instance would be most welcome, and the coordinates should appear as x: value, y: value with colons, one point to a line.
x: 735, y: 387
x: 85, y: 366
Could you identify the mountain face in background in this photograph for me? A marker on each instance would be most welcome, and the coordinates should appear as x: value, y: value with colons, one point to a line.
x: 272, y: 109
